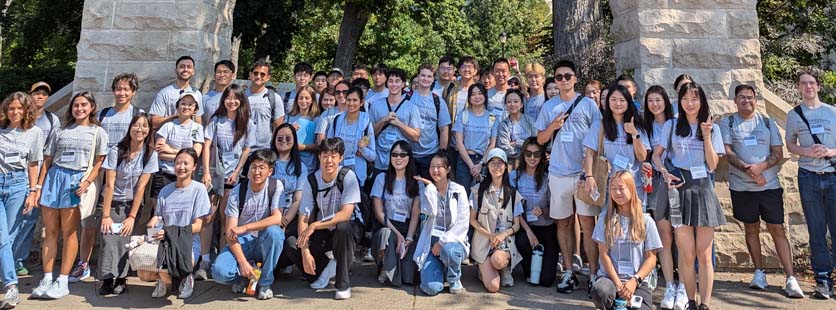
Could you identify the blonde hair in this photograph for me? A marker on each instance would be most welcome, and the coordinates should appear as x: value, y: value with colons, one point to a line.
x: 637, y: 226
x: 534, y: 67
x: 28, y: 120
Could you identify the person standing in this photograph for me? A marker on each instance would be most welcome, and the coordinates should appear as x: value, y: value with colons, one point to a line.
x: 435, y: 120
x: 164, y: 107
x: 266, y: 107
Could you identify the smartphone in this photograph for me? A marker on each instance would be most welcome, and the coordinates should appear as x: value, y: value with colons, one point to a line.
x: 678, y: 174
x: 636, y: 302
x: 116, y: 228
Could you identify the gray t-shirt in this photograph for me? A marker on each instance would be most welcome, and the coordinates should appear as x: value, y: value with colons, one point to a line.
x: 496, y: 103
x: 329, y: 198
x: 221, y: 131
x: 431, y: 121
x: 73, y: 144
x: 128, y: 172
x: 476, y: 130
x: 116, y: 124
x: 179, y: 137
x: 822, y: 120
x: 257, y: 206
x: 567, y: 150
x: 526, y: 185
x: 48, y: 128
x: 626, y: 255
x: 181, y: 206
x: 397, y: 204
x: 19, y: 147
x: 373, y: 96
x: 689, y: 151
x: 751, y: 140
x: 534, y: 105
x: 211, y: 101
x: 620, y: 155
x: 263, y: 115
x: 291, y: 183
x: 165, y: 103
x: 406, y: 112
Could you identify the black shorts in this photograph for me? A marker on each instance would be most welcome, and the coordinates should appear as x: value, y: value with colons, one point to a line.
x: 750, y: 207
x: 160, y: 180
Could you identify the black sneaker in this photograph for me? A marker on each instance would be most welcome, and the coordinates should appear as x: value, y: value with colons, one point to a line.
x: 822, y: 290
x: 106, y: 288
x: 692, y: 305
x: 120, y: 287
x: 703, y: 307
x: 568, y: 283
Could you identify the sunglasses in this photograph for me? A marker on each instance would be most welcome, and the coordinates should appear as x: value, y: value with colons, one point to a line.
x: 566, y: 76
x: 281, y: 139
x: 341, y: 92
x: 401, y: 155
x: 532, y: 154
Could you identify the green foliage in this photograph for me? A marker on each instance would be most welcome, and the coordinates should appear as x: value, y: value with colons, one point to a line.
x: 41, y: 33
x: 20, y: 79
x: 828, y: 85
x: 266, y: 28
x: 795, y: 34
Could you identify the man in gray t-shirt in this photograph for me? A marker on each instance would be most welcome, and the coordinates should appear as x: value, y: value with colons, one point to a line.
x: 164, y: 107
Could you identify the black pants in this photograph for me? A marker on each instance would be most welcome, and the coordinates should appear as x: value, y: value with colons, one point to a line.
x: 341, y: 241
x: 546, y: 236
x: 291, y: 233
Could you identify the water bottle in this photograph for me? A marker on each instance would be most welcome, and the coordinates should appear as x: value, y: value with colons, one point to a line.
x: 536, y: 264
x: 253, y: 282
x: 620, y: 304
x: 676, y: 210
x: 647, y: 179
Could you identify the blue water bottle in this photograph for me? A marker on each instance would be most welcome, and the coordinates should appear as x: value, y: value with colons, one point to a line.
x: 620, y: 304
x: 536, y: 264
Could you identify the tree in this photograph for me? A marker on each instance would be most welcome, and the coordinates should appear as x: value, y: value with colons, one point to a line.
x: 356, y: 14
x: 580, y: 34
x: 265, y: 27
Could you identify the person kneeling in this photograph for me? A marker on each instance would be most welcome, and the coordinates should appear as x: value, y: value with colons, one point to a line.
x: 628, y: 241
x: 495, y: 219
x: 253, y: 234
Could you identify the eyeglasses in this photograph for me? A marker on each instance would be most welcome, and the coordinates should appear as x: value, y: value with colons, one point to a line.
x: 259, y: 168
x: 281, y: 139
x: 528, y: 153
x: 565, y: 76
x: 341, y: 92
x: 446, y: 69
x: 223, y: 72
x: 140, y: 126
x: 401, y: 155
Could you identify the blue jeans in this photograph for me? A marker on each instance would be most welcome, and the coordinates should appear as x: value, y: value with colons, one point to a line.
x: 447, y: 266
x: 463, y: 172
x: 266, y: 248
x: 13, y: 191
x: 818, y: 201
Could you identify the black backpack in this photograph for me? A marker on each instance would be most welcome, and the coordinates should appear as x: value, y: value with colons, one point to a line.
x: 243, y: 187
x: 104, y: 112
x: 366, y: 216
x: 436, y: 101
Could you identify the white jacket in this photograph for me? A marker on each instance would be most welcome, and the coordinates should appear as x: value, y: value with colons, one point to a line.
x: 459, y: 222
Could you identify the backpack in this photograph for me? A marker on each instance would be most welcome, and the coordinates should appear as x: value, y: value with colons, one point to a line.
x: 436, y: 101
x: 286, y: 97
x: 104, y: 112
x: 364, y: 206
x: 49, y: 117
x: 244, y: 186
x: 271, y: 97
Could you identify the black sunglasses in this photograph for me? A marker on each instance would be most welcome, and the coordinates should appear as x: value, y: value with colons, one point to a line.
x: 528, y: 153
x: 565, y: 76
x: 401, y: 155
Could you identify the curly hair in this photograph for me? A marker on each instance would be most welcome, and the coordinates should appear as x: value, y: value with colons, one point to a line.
x: 28, y: 120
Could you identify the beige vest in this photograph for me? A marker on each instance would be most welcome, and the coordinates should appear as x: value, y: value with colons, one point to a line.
x: 488, y: 217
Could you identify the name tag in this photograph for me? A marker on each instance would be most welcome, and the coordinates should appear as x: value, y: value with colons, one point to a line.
x: 621, y: 161
x: 625, y: 267
x: 530, y: 217
x: 817, y: 129
x: 438, y: 231
x: 67, y: 156
x: 12, y: 158
x: 750, y: 141
x: 566, y: 136
x: 348, y: 161
x: 399, y: 216
x: 698, y: 172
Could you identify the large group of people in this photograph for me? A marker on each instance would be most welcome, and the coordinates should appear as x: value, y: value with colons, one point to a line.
x: 420, y: 174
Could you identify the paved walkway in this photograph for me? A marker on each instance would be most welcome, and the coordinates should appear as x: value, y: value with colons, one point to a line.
x: 730, y: 292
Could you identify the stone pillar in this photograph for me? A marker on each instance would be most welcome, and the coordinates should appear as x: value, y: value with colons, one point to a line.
x: 146, y: 37
x: 716, y: 42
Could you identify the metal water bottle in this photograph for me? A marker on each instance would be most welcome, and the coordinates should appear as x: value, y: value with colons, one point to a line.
x: 675, y: 208
x: 536, y: 264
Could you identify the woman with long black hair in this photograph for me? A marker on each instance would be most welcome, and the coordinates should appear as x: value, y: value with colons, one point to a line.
x: 292, y: 172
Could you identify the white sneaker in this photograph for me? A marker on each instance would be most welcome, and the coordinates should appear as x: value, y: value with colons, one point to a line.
x: 368, y: 257
x: 265, y: 293
x: 577, y: 263
x: 342, y: 295
x: 12, y: 297
x: 39, y: 291
x: 186, y: 287
x: 325, y: 277
x: 792, y: 289
x: 669, y: 298
x: 681, y: 298
x: 759, y: 280
x: 57, y: 290
x: 160, y: 290
x: 506, y: 277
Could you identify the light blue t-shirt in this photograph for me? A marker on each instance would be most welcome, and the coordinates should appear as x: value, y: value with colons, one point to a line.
x: 373, y: 96
x: 496, y: 103
x: 128, y: 172
x: 211, y: 101
x: 689, y: 151
x: 534, y: 105
x: 476, y: 130
x: 329, y: 198
x: 179, y: 137
x: 257, y: 205
x: 526, y: 185
x: 19, y: 147
x: 73, y: 144
x: 619, y: 154
x: 626, y: 255
x: 326, y: 118
x: 822, y: 121
x: 406, y: 112
x: 752, y: 141
x: 181, y: 206
x: 263, y: 115
x: 221, y: 131
x: 351, y: 133
x: 306, y: 135
x: 291, y: 182
x: 567, y: 150
x: 165, y: 103
x: 397, y: 204
x: 431, y: 121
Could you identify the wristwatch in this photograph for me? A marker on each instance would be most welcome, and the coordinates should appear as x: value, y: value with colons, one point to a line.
x: 638, y: 279
x: 583, y: 176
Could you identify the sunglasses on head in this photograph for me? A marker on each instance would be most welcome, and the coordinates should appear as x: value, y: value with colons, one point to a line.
x: 565, y: 76
x: 528, y: 153
x: 401, y: 155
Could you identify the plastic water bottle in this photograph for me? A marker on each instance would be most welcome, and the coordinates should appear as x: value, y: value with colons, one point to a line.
x: 536, y: 264
x: 647, y: 179
x: 675, y: 208
x: 253, y: 282
x: 620, y: 304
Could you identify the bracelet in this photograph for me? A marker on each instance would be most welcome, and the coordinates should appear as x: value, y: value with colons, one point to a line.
x: 38, y: 187
x: 409, y: 239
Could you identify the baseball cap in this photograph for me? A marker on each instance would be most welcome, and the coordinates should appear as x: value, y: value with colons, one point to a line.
x: 336, y: 70
x: 184, y: 93
x: 497, y: 153
x: 40, y: 84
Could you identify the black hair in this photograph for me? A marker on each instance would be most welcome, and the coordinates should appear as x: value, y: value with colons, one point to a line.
x: 184, y: 57
x: 303, y: 67
x: 332, y: 145
x: 295, y: 158
x: 410, y: 173
x: 442, y: 155
x: 549, y: 80
x: 481, y: 88
x: 681, y: 78
x: 565, y: 64
x: 360, y: 67
x: 512, y: 91
x: 499, y: 61
x: 124, y: 145
x: 343, y: 82
x: 610, y: 127
x: 264, y: 155
x: 129, y: 77
x: 446, y: 59
x: 541, y: 171
x: 261, y: 62
x: 743, y: 87
x: 382, y: 68
x: 683, y: 129
x: 470, y: 60
x: 226, y: 63
x: 625, y: 77
x: 355, y: 90
x: 649, y: 119
x: 242, y: 114
x: 320, y: 73
x: 360, y: 83
x: 188, y: 151
x: 506, y: 190
x: 396, y: 72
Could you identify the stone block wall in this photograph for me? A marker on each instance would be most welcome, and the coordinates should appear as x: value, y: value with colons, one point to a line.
x: 716, y: 42
x: 146, y: 37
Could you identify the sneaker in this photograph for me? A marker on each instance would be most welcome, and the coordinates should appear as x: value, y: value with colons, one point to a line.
x: 120, y: 286
x: 159, y: 290
x: 106, y: 288
x: 21, y: 270
x: 506, y: 277
x: 39, y: 290
x: 560, y: 263
x: 202, y: 273
x: 456, y: 287
x: 368, y: 257
x: 577, y: 263
x: 692, y: 305
x: 381, y: 277
x: 80, y: 272
x: 759, y: 280
x: 12, y: 297
x: 681, y: 298
x: 669, y: 298
x: 57, y: 290
x: 325, y: 277
x: 568, y: 283
x: 186, y: 287
x: 703, y: 307
x: 342, y: 295
x: 792, y: 289
x: 264, y: 293
x: 822, y: 290
x: 240, y: 286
